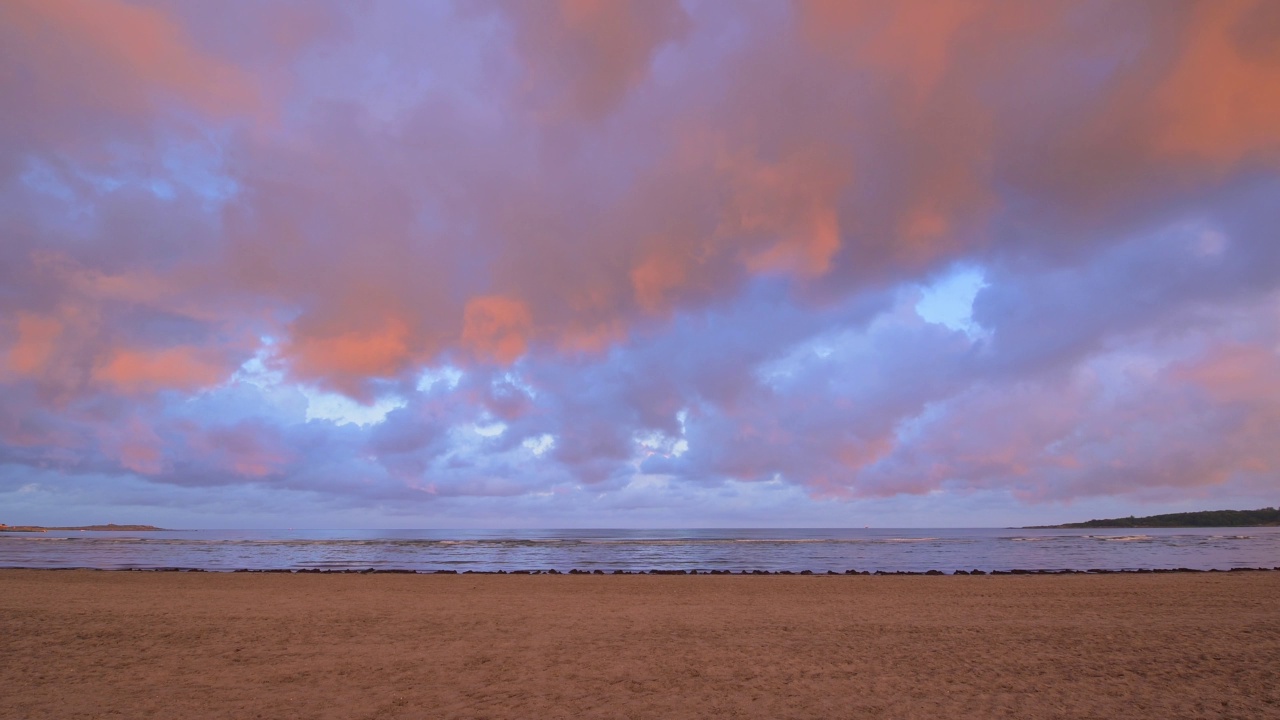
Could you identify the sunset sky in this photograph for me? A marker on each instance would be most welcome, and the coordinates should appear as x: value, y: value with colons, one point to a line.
x: 711, y: 263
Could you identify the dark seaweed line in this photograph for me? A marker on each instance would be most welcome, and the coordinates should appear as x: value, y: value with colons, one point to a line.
x: 829, y: 573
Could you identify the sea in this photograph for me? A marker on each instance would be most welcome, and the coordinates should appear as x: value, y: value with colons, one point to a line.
x: 701, y: 550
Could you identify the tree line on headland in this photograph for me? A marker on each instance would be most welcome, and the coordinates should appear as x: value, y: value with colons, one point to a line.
x: 1263, y: 517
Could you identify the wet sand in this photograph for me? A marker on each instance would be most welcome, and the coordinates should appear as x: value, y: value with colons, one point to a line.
x: 85, y: 644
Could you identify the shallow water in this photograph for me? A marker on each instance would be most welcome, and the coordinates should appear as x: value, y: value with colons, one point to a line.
x: 819, y: 550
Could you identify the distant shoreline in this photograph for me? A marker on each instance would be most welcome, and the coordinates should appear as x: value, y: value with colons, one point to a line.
x: 1263, y: 517
x: 654, y: 572
x: 109, y: 527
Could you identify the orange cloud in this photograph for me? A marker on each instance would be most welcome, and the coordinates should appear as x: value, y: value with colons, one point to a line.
x: 591, y: 339
x: 1247, y: 379
x: 37, y: 340
x: 496, y: 328
x: 357, y: 354
x: 584, y: 55
x: 806, y: 250
x: 789, y: 207
x: 1237, y: 374
x: 114, y: 53
x: 910, y: 39
x: 927, y: 57
x: 1222, y: 99
x: 654, y: 279
x: 178, y: 368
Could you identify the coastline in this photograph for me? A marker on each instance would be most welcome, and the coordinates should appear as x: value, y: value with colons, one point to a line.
x: 1224, y: 519
x: 109, y: 527
x: 553, y: 571
x: 215, y: 645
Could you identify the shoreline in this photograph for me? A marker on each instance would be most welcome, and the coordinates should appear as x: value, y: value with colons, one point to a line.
x: 84, y: 644
x: 110, y: 527
x: 655, y: 572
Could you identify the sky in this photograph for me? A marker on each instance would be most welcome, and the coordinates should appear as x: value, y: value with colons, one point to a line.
x: 638, y: 263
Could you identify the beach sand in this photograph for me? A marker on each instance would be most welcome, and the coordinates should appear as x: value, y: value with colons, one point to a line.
x: 85, y: 644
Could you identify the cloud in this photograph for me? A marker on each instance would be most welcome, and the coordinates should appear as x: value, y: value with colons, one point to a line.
x: 495, y: 327
x: 1221, y: 96
x: 82, y: 74
x: 177, y: 368
x: 583, y: 56
x: 665, y: 250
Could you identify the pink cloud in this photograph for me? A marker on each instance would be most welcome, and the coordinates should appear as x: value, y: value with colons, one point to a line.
x: 243, y: 449
x: 349, y: 358
x: 186, y: 369
x: 496, y: 328
x: 139, y: 448
x: 1222, y: 97
x: 117, y: 61
x: 792, y: 204
x: 606, y: 216
x: 583, y: 56
x: 36, y: 342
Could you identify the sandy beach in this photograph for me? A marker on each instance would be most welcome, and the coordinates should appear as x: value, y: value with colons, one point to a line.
x: 86, y: 644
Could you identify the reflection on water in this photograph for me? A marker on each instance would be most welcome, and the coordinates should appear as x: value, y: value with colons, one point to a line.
x: 722, y: 549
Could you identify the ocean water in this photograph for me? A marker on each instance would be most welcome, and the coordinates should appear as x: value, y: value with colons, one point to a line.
x: 773, y: 550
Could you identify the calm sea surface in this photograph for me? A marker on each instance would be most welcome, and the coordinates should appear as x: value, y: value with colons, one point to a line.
x: 726, y: 549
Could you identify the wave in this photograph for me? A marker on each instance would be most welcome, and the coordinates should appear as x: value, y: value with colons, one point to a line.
x: 772, y: 549
x: 491, y: 542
